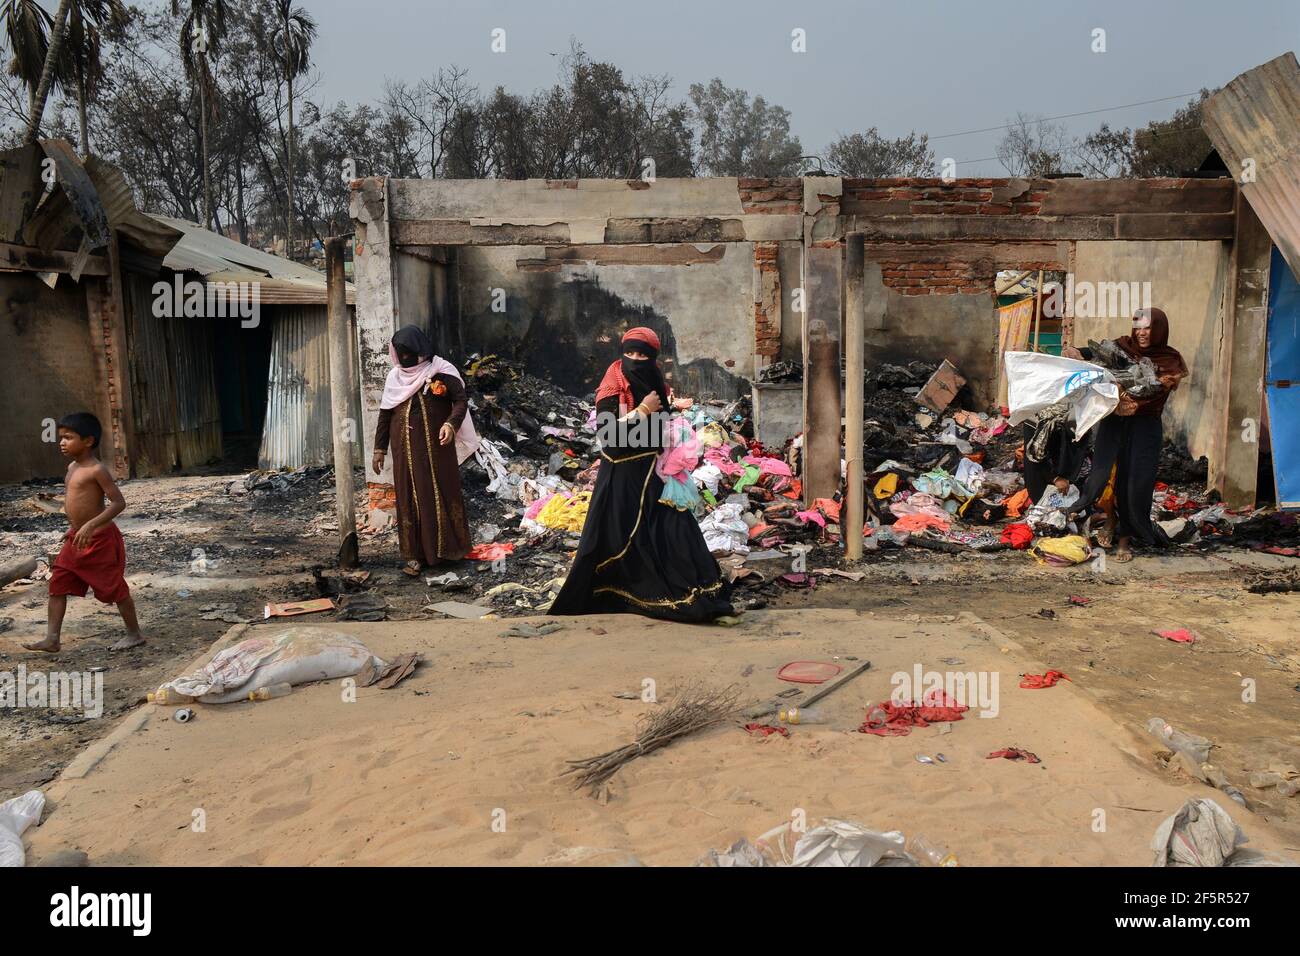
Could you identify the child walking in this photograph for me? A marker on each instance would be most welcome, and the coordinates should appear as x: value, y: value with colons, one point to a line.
x: 93, y: 555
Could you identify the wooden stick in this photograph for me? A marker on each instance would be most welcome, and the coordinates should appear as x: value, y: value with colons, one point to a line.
x: 761, y: 710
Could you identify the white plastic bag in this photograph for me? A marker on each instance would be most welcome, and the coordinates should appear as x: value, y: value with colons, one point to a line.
x: 1036, y: 380
x: 298, y: 655
x: 841, y: 843
x: 16, y: 816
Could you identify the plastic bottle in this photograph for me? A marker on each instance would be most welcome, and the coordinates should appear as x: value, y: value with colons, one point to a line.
x: 271, y: 692
x: 927, y: 852
x: 166, y: 696
x: 801, y: 715
x: 1196, y: 748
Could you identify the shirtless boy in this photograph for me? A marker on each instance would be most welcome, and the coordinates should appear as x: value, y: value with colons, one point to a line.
x: 93, y: 555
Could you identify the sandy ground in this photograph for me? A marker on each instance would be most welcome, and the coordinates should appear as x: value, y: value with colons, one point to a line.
x: 420, y: 774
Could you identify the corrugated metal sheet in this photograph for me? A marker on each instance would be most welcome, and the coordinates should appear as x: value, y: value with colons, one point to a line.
x: 1257, y: 117
x: 220, y: 259
x: 297, y: 427
x: 177, y: 417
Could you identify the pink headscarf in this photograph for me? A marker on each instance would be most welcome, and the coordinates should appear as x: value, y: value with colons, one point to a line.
x: 402, y: 383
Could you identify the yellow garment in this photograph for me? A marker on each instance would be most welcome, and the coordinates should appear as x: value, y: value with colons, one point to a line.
x: 1107, y: 500
x: 887, y: 486
x: 1071, y: 548
x: 565, y: 514
x: 712, y: 435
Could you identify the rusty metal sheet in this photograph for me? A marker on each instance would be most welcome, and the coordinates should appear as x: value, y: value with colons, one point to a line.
x: 75, y: 184
x: 1254, y: 123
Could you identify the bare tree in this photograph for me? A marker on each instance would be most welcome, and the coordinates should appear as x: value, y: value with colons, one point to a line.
x: 1033, y: 146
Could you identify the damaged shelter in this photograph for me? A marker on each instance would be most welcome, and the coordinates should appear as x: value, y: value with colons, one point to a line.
x: 742, y: 278
x: 188, y: 346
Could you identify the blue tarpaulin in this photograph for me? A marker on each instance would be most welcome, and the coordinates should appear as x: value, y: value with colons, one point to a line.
x: 1283, y: 381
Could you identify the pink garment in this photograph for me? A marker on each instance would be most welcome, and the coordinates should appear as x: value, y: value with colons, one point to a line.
x: 536, y: 507
x: 812, y: 514
x: 402, y: 383
x: 681, y: 454
x: 716, y: 456
x: 769, y: 466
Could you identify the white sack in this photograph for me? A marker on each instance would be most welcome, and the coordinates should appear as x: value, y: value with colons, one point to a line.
x: 296, y: 656
x: 17, y: 815
x: 1036, y: 380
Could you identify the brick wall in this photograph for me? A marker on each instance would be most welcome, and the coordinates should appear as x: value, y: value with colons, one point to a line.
x: 775, y: 196
x: 935, y: 278
x: 381, y: 496
x: 934, y: 197
x: 767, y: 300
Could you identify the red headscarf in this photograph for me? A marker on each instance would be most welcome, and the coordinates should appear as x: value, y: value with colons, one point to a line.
x: 615, y: 382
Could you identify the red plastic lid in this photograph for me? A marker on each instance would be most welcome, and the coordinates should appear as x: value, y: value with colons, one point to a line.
x: 808, y: 672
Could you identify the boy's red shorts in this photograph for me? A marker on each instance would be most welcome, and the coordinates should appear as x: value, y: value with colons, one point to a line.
x: 100, y: 567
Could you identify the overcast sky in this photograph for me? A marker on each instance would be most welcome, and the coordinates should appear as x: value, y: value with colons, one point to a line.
x: 936, y: 66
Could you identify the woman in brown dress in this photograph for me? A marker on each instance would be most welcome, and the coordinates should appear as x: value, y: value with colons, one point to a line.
x: 424, y: 415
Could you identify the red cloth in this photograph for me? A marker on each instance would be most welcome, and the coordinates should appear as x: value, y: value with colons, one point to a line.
x: 1180, y: 636
x: 100, y: 567
x: 490, y: 552
x: 615, y: 383
x: 766, y: 730
x: 642, y: 334
x: 1018, y: 536
x: 1014, y: 753
x: 1037, y: 681
x: 902, y: 716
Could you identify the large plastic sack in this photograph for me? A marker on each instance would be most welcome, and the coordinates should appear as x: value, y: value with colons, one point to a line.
x: 1036, y: 380
x: 298, y: 655
x: 1200, y: 834
x: 839, y: 843
x: 16, y: 816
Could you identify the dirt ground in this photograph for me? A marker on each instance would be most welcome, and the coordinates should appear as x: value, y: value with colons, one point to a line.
x: 264, y: 545
x: 462, y: 763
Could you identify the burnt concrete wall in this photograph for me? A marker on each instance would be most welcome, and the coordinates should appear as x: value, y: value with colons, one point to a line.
x: 961, y: 328
x: 47, y: 370
x: 564, y: 319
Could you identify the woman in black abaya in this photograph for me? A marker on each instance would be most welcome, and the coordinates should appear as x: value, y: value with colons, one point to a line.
x: 638, y: 554
x: 1129, y: 439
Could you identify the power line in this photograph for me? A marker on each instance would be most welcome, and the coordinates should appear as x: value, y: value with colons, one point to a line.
x: 1156, y: 134
x: 1107, y: 109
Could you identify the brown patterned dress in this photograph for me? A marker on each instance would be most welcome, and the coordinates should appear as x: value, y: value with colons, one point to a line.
x: 431, y: 523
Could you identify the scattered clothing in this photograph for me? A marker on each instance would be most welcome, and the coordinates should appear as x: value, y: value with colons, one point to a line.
x: 897, y: 718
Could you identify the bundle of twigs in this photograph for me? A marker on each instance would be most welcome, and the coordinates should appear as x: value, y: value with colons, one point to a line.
x: 695, y: 707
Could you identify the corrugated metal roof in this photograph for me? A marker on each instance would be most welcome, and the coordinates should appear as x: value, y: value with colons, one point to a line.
x: 281, y: 281
x: 1257, y: 117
